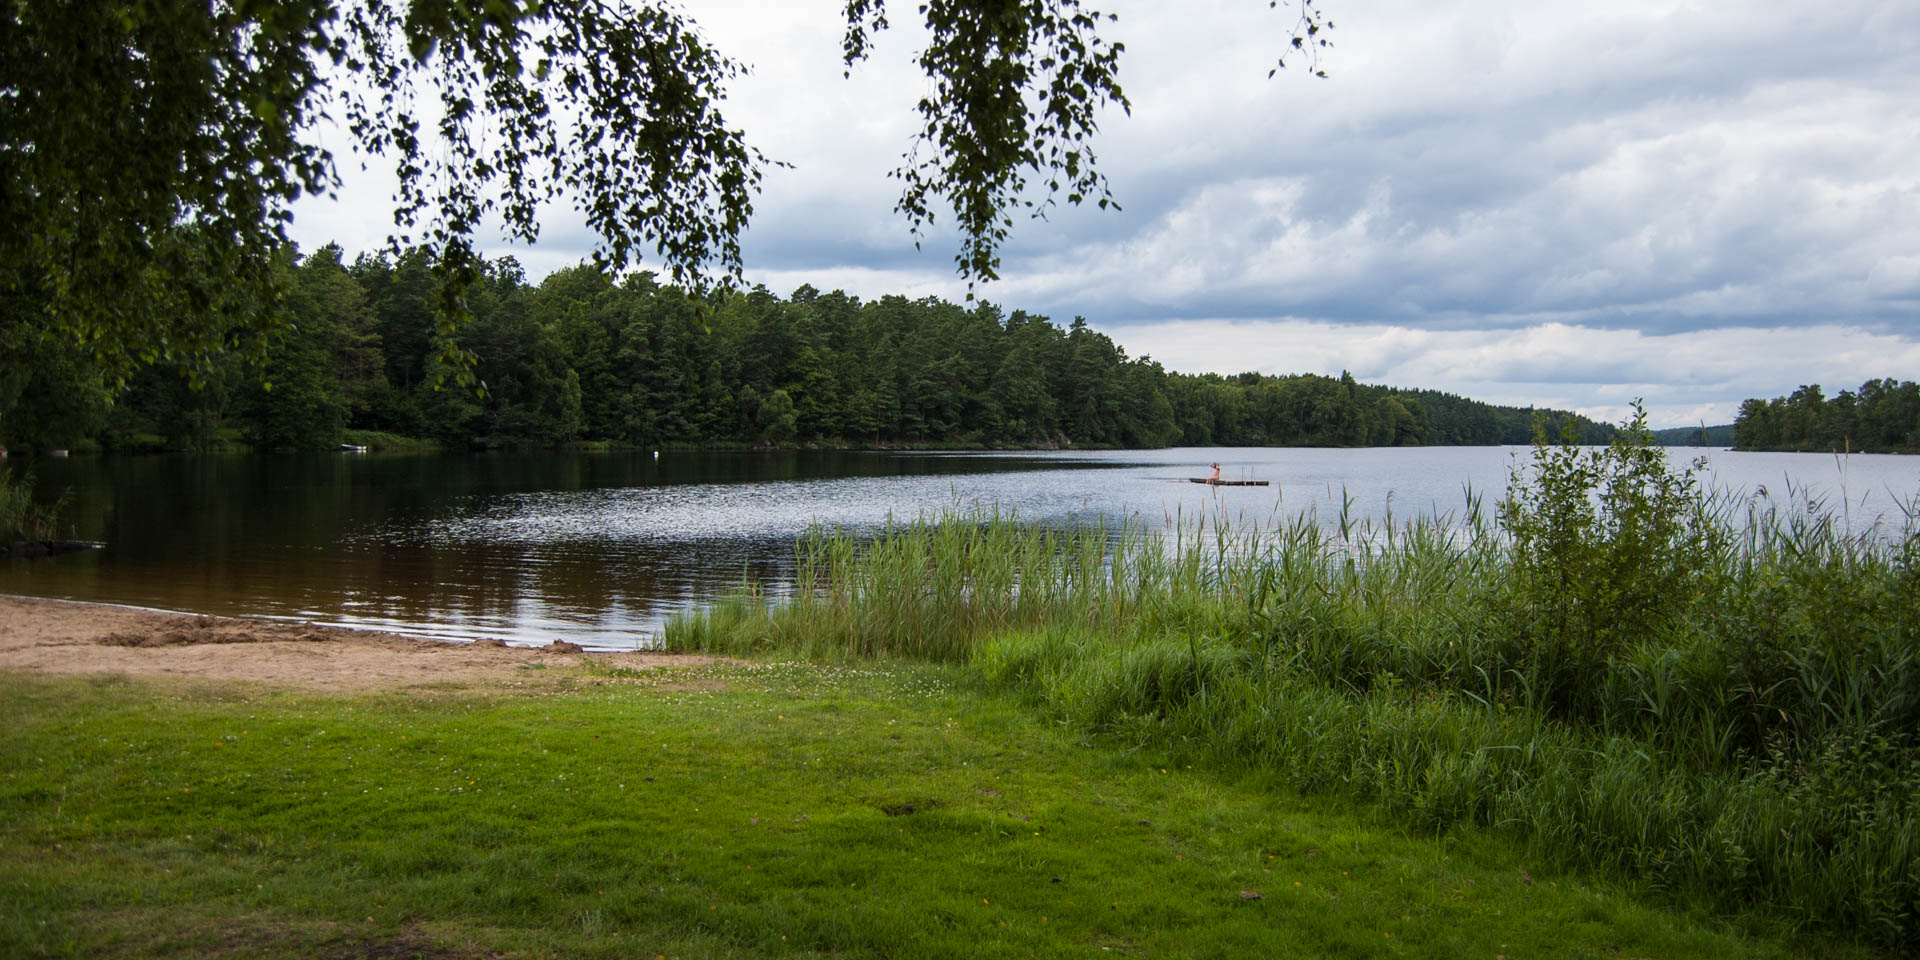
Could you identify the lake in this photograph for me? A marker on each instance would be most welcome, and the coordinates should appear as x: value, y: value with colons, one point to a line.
x: 600, y: 548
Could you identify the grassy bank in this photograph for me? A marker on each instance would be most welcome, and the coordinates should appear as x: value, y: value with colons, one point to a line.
x: 1628, y: 675
x: 770, y: 810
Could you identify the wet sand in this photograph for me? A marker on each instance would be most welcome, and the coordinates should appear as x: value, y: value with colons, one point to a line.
x: 69, y: 637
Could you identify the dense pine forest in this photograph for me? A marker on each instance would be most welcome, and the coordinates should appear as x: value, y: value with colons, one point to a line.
x: 578, y: 357
x: 1882, y: 417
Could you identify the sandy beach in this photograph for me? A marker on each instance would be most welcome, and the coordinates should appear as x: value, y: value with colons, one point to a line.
x: 69, y: 637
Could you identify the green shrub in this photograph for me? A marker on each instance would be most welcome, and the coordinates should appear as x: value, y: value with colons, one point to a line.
x: 1607, y: 547
x: 23, y: 519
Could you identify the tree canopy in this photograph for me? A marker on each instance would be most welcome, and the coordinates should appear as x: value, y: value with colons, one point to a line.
x: 581, y: 356
x: 150, y: 150
x: 1882, y: 417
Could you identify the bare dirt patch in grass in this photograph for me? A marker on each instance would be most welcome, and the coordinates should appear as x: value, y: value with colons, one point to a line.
x: 65, y: 637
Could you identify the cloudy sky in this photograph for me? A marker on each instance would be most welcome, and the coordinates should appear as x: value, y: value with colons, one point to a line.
x: 1525, y: 201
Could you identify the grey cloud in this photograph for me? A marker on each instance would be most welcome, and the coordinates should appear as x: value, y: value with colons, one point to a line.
x: 1614, y: 194
x: 1632, y: 172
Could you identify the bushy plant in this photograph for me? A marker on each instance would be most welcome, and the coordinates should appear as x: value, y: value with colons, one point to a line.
x: 20, y: 517
x: 1608, y: 546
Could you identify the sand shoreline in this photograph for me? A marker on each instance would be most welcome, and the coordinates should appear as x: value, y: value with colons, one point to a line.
x: 74, y: 637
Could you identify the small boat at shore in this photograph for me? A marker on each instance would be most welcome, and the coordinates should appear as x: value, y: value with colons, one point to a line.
x: 1211, y: 482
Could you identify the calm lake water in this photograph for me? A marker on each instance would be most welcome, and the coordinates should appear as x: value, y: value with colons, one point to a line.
x: 602, y: 548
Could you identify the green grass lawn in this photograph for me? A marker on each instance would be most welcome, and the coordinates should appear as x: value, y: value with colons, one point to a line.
x: 779, y: 810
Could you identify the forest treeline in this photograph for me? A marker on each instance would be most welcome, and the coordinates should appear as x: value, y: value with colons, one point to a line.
x: 578, y: 357
x: 1718, y: 435
x: 1882, y: 417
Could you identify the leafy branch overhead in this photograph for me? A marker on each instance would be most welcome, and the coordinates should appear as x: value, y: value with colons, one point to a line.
x: 615, y: 106
x: 151, y: 150
x: 146, y: 136
x: 1015, y: 87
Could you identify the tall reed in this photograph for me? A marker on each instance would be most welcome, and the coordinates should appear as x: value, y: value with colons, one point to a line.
x: 21, y: 518
x: 1630, y: 673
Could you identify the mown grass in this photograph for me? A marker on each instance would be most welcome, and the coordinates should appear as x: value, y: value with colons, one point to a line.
x: 768, y: 810
x: 1627, y: 674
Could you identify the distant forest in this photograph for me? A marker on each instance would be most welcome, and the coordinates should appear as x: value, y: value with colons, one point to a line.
x: 1883, y: 416
x: 580, y: 358
x: 1719, y: 435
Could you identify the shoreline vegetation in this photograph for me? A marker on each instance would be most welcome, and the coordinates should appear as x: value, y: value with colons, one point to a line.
x: 24, y: 518
x: 578, y: 357
x: 1612, y: 667
x: 1610, y: 714
x: 1720, y: 435
x: 1883, y: 416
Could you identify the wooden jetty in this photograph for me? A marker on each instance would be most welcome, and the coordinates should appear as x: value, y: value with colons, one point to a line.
x: 1209, y: 481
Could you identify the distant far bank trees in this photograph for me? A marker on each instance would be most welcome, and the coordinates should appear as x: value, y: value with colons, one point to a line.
x: 1882, y: 417
x: 579, y: 357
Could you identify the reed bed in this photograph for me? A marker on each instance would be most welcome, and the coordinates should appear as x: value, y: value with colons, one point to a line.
x: 1717, y: 698
x: 21, y: 517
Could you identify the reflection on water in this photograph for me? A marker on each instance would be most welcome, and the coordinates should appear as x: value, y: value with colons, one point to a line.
x: 601, y: 548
